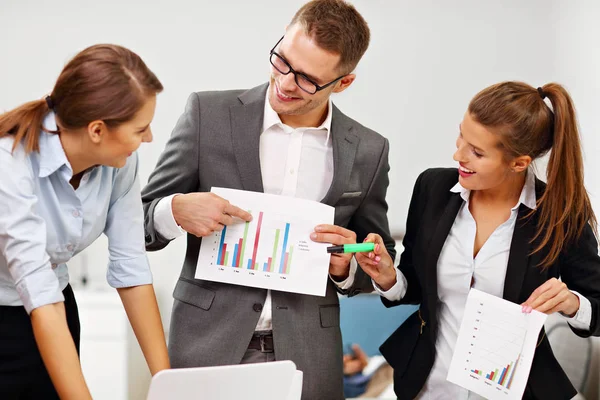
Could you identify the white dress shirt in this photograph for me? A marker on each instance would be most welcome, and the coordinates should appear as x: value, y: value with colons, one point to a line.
x: 455, y: 269
x: 294, y: 162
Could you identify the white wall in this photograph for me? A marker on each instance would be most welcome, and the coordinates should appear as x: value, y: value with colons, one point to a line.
x: 426, y: 60
x: 577, y: 58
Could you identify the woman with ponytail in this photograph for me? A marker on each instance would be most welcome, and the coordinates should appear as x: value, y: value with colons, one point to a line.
x: 491, y: 224
x: 69, y: 172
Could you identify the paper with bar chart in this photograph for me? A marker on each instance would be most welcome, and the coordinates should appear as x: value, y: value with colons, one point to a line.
x: 274, y: 250
x: 495, y: 347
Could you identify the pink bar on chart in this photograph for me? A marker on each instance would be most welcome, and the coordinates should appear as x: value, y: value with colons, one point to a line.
x: 253, y: 262
x: 285, y: 263
x: 222, y: 260
x: 239, y: 253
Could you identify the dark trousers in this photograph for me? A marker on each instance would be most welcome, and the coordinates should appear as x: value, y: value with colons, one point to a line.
x: 22, y: 371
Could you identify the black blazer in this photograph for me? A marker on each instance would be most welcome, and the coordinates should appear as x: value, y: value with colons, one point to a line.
x: 433, y: 208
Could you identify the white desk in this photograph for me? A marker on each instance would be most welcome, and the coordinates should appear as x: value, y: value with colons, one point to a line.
x: 104, y: 355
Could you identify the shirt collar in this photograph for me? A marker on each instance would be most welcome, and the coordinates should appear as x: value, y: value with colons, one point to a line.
x: 52, y: 154
x: 270, y: 118
x: 527, y: 197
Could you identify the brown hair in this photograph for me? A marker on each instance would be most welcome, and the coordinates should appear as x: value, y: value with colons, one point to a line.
x: 336, y: 26
x: 103, y: 82
x: 527, y: 126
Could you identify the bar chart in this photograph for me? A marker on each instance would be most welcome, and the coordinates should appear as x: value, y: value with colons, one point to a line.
x: 502, y: 378
x: 272, y: 251
x: 281, y: 257
x: 495, y: 347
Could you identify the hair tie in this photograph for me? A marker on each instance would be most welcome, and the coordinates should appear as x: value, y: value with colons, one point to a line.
x: 50, y: 103
x: 541, y: 93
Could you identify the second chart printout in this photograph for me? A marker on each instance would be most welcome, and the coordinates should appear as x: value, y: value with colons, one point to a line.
x: 274, y: 250
x: 495, y: 347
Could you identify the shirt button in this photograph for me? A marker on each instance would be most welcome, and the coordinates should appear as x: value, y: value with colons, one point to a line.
x: 54, y: 265
x: 76, y: 213
x: 70, y: 247
x: 292, y: 171
x: 257, y: 307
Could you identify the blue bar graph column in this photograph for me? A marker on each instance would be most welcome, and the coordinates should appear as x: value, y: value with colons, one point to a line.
x: 219, y: 260
x: 235, y: 252
x: 285, y: 240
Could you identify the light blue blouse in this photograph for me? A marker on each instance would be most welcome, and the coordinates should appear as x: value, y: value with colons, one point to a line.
x: 44, y: 222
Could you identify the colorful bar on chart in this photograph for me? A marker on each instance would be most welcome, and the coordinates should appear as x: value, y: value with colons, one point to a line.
x: 266, y: 267
x: 285, y: 261
x: 221, y: 249
x: 223, y: 259
x: 235, y: 255
x: 269, y: 264
x: 226, y: 257
x: 283, y: 253
x: 253, y: 260
x: 274, y: 256
x: 512, y: 374
x: 239, y: 264
x: 502, y: 375
x: 239, y: 253
x: 288, y: 260
x: 507, y: 371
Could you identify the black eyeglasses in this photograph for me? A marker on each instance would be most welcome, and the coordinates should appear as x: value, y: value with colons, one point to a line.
x: 303, y: 81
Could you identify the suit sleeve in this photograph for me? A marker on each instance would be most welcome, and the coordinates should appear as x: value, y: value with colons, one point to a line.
x: 370, y: 217
x: 580, y: 271
x: 176, y: 170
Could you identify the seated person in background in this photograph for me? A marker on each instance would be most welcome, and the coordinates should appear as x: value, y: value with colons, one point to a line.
x: 363, y: 376
x: 492, y: 225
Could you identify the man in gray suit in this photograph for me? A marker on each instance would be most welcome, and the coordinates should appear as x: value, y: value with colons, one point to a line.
x: 285, y: 137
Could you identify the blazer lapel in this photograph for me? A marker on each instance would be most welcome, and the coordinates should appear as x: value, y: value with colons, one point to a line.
x: 345, y: 143
x: 440, y: 233
x: 519, y: 257
x: 246, y: 127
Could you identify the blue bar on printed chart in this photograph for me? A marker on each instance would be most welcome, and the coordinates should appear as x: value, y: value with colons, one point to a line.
x: 285, y: 239
x: 235, y: 252
x: 220, y: 255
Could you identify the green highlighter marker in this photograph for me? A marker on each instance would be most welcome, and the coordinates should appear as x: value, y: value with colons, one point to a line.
x: 352, y: 248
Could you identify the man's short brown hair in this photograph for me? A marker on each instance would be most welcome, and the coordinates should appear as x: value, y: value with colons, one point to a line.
x: 336, y: 26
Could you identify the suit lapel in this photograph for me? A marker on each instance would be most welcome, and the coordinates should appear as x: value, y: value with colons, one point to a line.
x: 345, y: 143
x: 519, y: 257
x: 246, y: 127
x: 440, y: 233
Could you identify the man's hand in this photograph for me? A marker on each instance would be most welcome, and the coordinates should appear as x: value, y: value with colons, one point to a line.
x: 339, y: 265
x: 378, y: 264
x: 552, y: 296
x: 201, y: 214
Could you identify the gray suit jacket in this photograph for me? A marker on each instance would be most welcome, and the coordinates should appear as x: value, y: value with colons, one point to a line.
x: 216, y: 143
